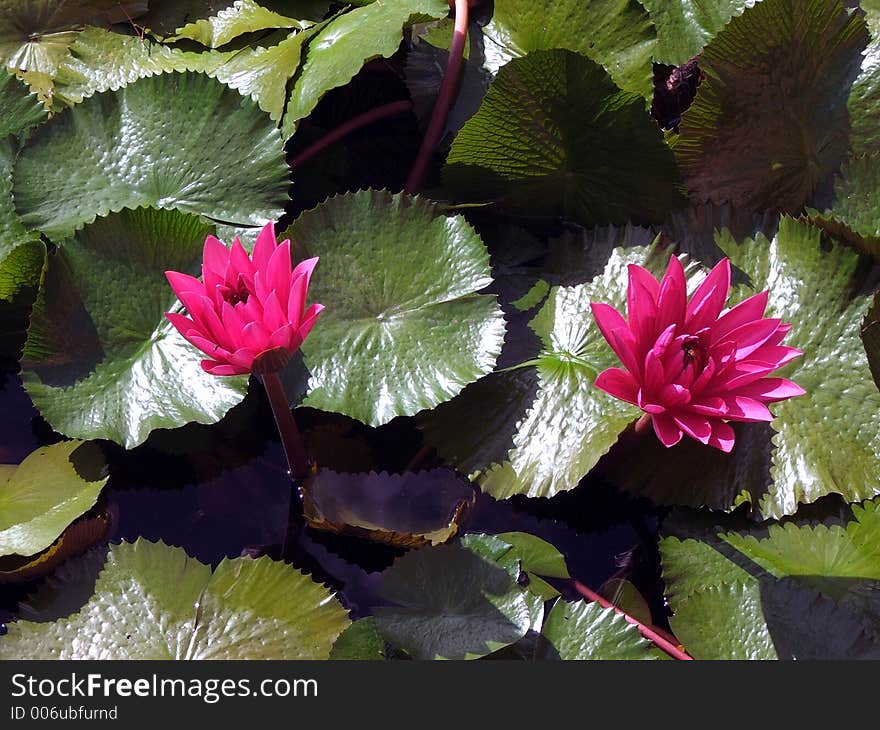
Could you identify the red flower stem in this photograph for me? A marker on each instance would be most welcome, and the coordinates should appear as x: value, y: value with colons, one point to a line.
x: 361, y: 120
x: 445, y: 97
x: 297, y: 459
x: 648, y: 632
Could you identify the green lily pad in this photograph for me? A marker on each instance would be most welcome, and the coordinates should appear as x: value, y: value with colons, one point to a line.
x: 769, y: 125
x: 684, y: 27
x: 153, y: 601
x: 864, y: 98
x: 346, y: 43
x: 824, y: 442
x: 618, y: 35
x: 180, y: 141
x: 42, y: 496
x: 792, y: 591
x: 359, y: 642
x: 582, y: 631
x: 452, y: 602
x: 244, y: 16
x: 871, y: 338
x: 101, y: 360
x: 404, y: 328
x: 21, y: 274
x: 19, y: 108
x: 570, y: 424
x: 556, y: 137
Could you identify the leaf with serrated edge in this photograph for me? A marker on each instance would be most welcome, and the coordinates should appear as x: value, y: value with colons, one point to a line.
x: 404, y: 328
x: 41, y: 497
x: 586, y: 631
x: 618, y: 35
x: 180, y: 141
x: 245, y: 16
x: 754, y: 135
x: 555, y: 137
x: 101, y: 360
x: 153, y: 601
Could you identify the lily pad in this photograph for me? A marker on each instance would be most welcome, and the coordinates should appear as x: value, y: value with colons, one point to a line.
x: 769, y: 125
x: 864, y: 98
x: 555, y: 137
x: 19, y: 108
x: 824, y: 442
x: 571, y: 424
x: 792, y: 591
x: 153, y: 601
x: 180, y: 141
x: 586, y: 631
x: 101, y: 360
x: 684, y: 27
x: 244, y: 16
x: 451, y: 602
x: 359, y: 642
x: 346, y: 43
x: 411, y: 509
x: 404, y: 327
x: 42, y: 496
x: 618, y: 35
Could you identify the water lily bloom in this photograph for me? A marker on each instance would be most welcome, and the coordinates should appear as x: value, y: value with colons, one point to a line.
x: 248, y: 313
x: 689, y: 365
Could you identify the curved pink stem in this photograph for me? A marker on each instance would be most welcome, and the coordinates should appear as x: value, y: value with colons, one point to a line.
x: 445, y: 97
x: 361, y: 120
x: 648, y: 632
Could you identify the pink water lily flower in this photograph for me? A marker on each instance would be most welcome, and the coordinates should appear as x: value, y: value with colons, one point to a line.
x: 247, y: 314
x: 690, y: 366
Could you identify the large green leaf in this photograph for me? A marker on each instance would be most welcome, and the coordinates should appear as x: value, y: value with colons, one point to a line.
x: 793, y: 591
x: 244, y: 16
x: 404, y: 327
x: 19, y: 108
x: 152, y: 601
x: 570, y: 424
x: 556, y: 137
x: 618, y: 34
x: 769, y: 125
x: 684, y: 27
x: 101, y: 360
x: 42, y: 496
x: 824, y: 442
x: 864, y: 99
x: 346, y: 43
x: 173, y: 141
x: 452, y: 602
x: 586, y: 631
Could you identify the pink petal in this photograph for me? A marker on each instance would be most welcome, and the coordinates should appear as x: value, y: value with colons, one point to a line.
x: 674, y: 394
x: 181, y: 324
x: 209, y: 348
x: 264, y: 247
x: 779, y: 335
x: 221, y: 368
x: 653, y: 379
x: 740, y: 374
x: 308, y: 321
x: 243, y: 358
x: 215, y: 257
x: 776, y: 355
x: 241, y: 262
x: 694, y: 425
x: 708, y: 300
x: 666, y: 429
x: 273, y: 314
x: 672, y: 300
x: 184, y: 283
x: 711, y: 406
x: 618, y: 383
x: 278, y: 273
x: 212, y: 325
x: 254, y: 336
x: 748, y: 310
x: 704, y: 379
x: 624, y: 344
x: 749, y: 337
x: 284, y: 337
x: 742, y: 408
x: 299, y: 288
x: 233, y: 323
x: 648, y: 406
x: 723, y: 436
x: 771, y: 389
x: 641, y: 303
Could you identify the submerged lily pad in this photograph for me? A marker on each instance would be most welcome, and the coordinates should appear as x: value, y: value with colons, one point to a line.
x: 101, y: 360
x: 824, y: 442
x: 43, y: 495
x: 404, y: 328
x: 153, y: 601
x: 181, y: 141
x: 793, y: 591
x: 556, y: 137
x: 769, y: 125
x: 411, y: 509
x: 618, y: 35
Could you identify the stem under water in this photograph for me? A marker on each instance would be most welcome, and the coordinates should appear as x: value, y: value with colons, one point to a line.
x: 291, y: 441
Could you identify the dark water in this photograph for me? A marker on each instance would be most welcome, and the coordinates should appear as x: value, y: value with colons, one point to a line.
x: 222, y: 491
